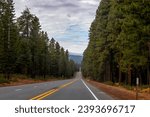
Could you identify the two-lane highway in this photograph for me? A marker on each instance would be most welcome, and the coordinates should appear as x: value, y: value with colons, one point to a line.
x: 72, y: 89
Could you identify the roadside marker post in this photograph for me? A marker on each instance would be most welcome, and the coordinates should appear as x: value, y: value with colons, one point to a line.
x: 137, y: 87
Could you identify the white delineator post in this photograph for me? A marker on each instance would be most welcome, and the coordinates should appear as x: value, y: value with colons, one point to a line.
x: 137, y: 86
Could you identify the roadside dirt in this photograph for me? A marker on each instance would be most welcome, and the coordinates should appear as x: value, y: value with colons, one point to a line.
x: 119, y: 93
x: 24, y: 81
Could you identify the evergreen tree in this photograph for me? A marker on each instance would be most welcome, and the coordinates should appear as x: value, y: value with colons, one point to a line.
x: 53, y: 59
x: 25, y: 49
x: 24, y: 23
x: 118, y: 46
x: 42, y: 52
x: 57, y: 58
x: 8, y: 38
x: 33, y: 45
x: 62, y: 63
x: 97, y: 50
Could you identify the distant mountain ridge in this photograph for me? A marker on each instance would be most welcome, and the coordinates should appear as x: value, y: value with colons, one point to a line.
x: 78, y: 54
x: 76, y: 58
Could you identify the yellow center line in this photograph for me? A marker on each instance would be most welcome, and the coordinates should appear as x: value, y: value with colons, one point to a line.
x: 34, y: 98
x: 47, y: 94
x: 66, y: 84
x: 50, y: 92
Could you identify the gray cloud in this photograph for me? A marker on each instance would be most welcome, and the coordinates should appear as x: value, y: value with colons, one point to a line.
x: 63, y: 17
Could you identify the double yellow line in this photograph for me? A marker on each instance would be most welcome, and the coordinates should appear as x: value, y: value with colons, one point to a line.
x: 50, y: 92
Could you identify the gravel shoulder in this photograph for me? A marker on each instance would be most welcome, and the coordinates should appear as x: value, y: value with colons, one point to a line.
x: 119, y: 93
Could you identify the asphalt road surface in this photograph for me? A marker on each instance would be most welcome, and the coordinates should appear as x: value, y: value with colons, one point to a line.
x: 72, y: 89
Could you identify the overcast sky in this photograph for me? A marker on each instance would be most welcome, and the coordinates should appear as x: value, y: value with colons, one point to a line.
x: 68, y: 21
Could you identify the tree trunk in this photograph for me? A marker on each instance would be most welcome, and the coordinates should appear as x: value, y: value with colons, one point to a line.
x: 129, y: 75
x: 105, y: 72
x: 45, y: 67
x: 119, y: 67
x: 33, y: 65
x: 109, y: 72
x: 148, y: 66
x: 120, y: 76
x: 148, y: 77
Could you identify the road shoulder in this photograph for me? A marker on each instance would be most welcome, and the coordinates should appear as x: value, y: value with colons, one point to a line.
x: 101, y: 95
x: 118, y: 93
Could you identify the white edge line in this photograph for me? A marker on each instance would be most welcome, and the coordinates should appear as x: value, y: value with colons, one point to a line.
x: 90, y: 90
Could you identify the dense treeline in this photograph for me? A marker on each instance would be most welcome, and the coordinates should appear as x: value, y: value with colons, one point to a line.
x: 26, y: 49
x: 119, y: 46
